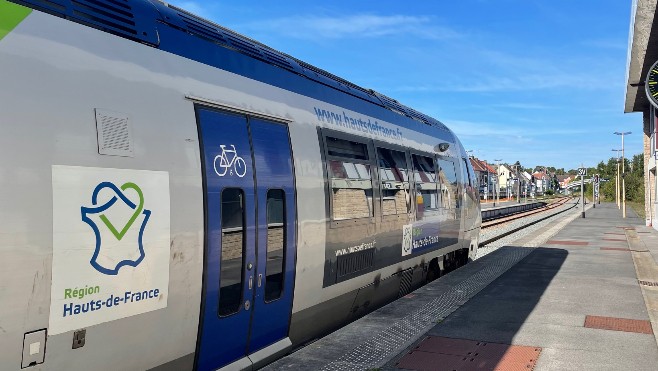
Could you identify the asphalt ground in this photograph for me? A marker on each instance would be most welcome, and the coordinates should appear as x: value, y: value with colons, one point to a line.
x: 521, y: 295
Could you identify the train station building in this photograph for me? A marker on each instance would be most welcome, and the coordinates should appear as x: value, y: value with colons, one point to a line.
x: 642, y: 54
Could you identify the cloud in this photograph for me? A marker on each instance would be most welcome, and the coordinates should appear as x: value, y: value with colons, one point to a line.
x: 511, y: 132
x: 353, y: 26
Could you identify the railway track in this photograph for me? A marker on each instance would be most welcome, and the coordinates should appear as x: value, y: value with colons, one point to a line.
x: 509, y: 218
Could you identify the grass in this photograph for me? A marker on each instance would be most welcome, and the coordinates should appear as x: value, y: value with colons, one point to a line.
x: 638, y: 207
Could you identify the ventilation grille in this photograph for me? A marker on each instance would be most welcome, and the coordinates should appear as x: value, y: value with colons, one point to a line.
x: 355, y: 262
x: 114, y: 16
x: 392, y: 104
x: 197, y: 27
x: 114, y: 133
x: 333, y: 77
x: 215, y: 33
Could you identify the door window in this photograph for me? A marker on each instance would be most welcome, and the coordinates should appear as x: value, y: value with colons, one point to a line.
x: 233, y: 245
x: 276, y: 244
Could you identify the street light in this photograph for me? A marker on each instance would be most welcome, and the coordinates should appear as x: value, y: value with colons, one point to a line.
x: 517, y: 175
x: 617, y: 181
x: 497, y: 180
x: 623, y: 181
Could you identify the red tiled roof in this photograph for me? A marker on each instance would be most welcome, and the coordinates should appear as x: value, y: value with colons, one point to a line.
x: 477, y: 165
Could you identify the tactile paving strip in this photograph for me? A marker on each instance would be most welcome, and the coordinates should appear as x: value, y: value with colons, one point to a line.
x: 615, y: 249
x: 567, y: 243
x: 375, y: 351
x: 441, y: 353
x: 618, y: 324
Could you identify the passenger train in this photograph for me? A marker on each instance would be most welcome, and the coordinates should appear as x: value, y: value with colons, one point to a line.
x: 177, y: 196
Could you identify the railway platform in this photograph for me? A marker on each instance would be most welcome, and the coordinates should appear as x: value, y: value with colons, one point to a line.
x: 580, y: 294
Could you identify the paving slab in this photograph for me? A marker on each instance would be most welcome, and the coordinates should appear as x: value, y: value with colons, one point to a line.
x: 543, y: 302
x: 522, y: 296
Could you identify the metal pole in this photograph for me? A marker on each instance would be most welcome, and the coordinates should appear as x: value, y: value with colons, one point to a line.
x: 497, y: 181
x: 623, y: 179
x: 617, y: 181
x: 617, y: 185
x: 582, y: 195
x: 518, y: 185
x: 593, y: 194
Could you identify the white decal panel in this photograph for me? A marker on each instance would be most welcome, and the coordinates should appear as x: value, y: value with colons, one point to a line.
x: 407, y: 239
x: 111, y: 237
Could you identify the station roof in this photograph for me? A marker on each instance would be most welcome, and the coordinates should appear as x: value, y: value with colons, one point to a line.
x: 642, y: 53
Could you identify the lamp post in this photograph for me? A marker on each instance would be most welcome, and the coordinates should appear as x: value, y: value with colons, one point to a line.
x: 623, y: 181
x: 617, y: 181
x: 497, y: 181
x: 518, y: 183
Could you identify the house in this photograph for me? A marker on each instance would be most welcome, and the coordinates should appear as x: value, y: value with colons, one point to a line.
x: 492, y: 180
x: 506, y: 179
x: 484, y: 174
x: 542, y: 180
x: 564, y: 180
x: 480, y: 172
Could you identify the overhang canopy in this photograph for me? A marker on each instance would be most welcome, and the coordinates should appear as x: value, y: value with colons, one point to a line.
x: 642, y: 53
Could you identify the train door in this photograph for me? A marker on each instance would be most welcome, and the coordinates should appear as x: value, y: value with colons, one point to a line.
x: 250, y: 237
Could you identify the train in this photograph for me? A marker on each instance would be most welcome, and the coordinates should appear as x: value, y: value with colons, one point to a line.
x: 177, y: 196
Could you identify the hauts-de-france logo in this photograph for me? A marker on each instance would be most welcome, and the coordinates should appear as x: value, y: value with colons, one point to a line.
x: 123, y: 245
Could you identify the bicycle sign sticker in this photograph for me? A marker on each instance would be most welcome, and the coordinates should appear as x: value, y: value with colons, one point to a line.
x: 229, y: 161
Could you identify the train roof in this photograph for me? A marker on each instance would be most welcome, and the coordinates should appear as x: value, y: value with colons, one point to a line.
x: 138, y: 20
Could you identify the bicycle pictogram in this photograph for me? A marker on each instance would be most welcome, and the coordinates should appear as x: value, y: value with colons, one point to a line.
x: 237, y: 162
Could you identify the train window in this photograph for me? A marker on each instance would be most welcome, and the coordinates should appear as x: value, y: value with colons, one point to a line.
x: 233, y: 244
x: 276, y: 244
x: 475, y: 182
x: 427, y: 202
x: 466, y: 174
x: 351, y: 179
x: 447, y: 183
x: 394, y: 180
x: 346, y: 148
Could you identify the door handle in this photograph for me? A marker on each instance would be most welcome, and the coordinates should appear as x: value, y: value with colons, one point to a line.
x: 251, y: 282
x: 260, y: 279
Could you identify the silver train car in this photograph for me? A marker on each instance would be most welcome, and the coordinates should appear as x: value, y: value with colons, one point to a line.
x: 176, y: 196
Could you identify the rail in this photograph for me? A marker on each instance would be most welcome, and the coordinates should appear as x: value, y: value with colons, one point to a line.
x: 509, y: 218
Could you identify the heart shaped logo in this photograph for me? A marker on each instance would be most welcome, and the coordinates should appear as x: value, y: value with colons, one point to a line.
x: 138, y: 210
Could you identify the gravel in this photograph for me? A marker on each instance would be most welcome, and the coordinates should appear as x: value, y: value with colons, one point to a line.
x: 530, y: 230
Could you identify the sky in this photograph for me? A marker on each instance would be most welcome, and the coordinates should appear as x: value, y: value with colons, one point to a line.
x: 541, y: 82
